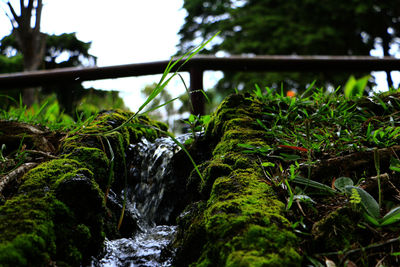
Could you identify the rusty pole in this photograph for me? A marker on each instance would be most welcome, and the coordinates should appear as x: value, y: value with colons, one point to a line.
x: 196, y: 87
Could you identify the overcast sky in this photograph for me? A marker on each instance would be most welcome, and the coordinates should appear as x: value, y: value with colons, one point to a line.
x: 122, y: 32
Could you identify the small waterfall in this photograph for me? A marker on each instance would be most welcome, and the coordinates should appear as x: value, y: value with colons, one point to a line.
x: 143, y: 249
x: 149, y: 178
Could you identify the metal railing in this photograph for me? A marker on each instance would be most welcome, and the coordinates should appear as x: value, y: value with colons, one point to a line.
x: 197, y: 65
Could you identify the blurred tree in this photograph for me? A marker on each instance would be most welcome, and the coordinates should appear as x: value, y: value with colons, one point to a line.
x: 291, y: 27
x: 31, y: 42
x: 381, y: 26
x: 11, y: 64
x: 37, y: 50
x: 64, y: 50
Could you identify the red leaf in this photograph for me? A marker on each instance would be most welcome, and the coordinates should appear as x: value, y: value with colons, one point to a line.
x: 294, y: 148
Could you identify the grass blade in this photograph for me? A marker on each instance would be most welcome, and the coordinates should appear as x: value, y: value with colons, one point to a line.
x: 314, y: 184
x: 309, y: 88
x: 392, y: 216
x: 160, y: 106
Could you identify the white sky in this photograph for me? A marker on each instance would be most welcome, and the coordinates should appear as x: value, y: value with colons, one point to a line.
x: 123, y: 32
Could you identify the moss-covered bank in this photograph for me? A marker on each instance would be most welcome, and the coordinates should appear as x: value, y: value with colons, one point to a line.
x: 238, y: 220
x: 250, y: 156
x: 57, y: 215
x: 265, y: 156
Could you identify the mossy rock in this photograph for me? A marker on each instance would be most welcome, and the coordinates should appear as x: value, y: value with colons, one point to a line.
x: 94, y: 158
x: 57, y: 215
x: 242, y: 222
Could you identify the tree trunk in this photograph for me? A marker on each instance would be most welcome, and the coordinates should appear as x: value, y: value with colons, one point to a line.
x: 30, y: 40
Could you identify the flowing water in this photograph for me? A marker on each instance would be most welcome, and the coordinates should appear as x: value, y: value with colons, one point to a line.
x: 149, y: 180
x: 144, y: 249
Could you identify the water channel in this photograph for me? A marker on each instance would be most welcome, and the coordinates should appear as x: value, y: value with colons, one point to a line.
x: 149, y: 176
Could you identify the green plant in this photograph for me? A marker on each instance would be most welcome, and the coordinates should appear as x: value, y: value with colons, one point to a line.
x: 322, y: 188
x: 46, y: 113
x: 355, y: 198
x: 355, y: 88
x: 292, y: 169
x: 378, y: 173
x: 197, y: 123
x: 384, y: 136
x: 357, y: 195
x: 371, y: 211
x: 394, y: 164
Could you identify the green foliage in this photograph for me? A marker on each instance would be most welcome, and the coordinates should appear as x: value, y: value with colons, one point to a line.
x: 384, y: 136
x: 371, y: 209
x: 322, y: 188
x: 342, y: 182
x: 321, y: 122
x: 47, y: 113
x: 95, y: 101
x: 378, y: 174
x: 288, y: 28
x: 11, y: 64
x: 163, y: 97
x: 357, y: 195
x: 50, y: 113
x: 56, y: 45
x: 354, y: 88
x: 63, y: 50
x: 67, y: 44
x: 395, y: 164
x: 197, y: 123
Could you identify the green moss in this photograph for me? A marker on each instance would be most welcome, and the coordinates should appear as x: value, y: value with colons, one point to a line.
x: 227, y: 115
x: 46, y: 174
x: 29, y: 226
x: 212, y: 171
x: 239, y: 200
x: 254, y: 248
x: 231, y: 145
x: 238, y: 132
x: 95, y: 159
x: 58, y: 212
x: 27, y: 231
x: 243, y: 222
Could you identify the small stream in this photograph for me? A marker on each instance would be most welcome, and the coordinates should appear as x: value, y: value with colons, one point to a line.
x: 144, y: 249
x: 149, y: 178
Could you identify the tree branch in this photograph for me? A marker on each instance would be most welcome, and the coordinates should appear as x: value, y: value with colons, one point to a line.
x: 38, y: 15
x: 16, y: 17
x: 6, y: 179
x: 23, y: 11
x: 12, y: 20
x: 30, y: 6
x: 28, y: 12
x: 41, y: 153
